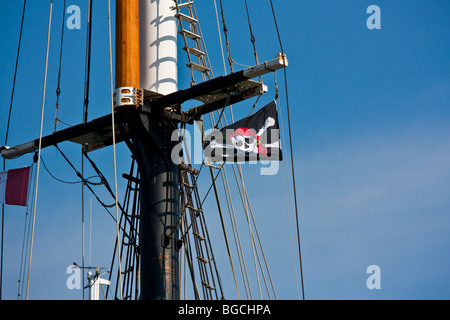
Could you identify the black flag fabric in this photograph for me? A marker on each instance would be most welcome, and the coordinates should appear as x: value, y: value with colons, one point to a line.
x: 256, y: 137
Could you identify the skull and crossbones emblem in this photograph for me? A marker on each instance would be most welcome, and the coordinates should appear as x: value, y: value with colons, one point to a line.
x: 246, y: 140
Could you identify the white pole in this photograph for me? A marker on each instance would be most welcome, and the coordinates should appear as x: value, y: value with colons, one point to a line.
x: 158, y: 46
x: 94, y: 284
x: 92, y: 287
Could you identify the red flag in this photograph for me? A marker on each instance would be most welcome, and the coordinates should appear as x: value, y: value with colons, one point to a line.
x: 14, y: 186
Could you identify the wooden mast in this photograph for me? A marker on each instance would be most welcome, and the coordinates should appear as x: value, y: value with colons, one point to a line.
x: 127, y: 44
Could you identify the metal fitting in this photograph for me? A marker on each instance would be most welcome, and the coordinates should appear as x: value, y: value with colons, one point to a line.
x: 127, y: 96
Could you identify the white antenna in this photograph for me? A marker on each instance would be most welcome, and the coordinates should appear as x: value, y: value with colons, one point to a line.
x: 94, y: 284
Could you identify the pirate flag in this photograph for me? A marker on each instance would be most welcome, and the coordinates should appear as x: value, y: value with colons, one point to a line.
x: 256, y: 137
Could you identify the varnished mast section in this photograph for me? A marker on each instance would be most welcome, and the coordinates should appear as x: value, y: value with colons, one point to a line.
x: 127, y: 43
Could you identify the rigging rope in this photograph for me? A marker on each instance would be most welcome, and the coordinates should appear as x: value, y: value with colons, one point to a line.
x: 87, y: 183
x: 40, y: 148
x: 82, y: 180
x: 246, y: 206
x: 7, y: 133
x: 244, y: 199
x: 227, y: 42
x: 190, y: 199
x: 58, y: 88
x: 252, y: 37
x: 57, y: 179
x: 25, y: 242
x: 87, y: 74
x: 114, y: 148
x: 130, y: 220
x: 286, y: 184
x: 25, y: 237
x: 292, y: 152
x: 87, y: 71
x: 258, y: 237
x: 220, y: 37
x: 237, y: 240
x: 14, y: 79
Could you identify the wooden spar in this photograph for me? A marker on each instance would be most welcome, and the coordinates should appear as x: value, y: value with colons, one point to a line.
x: 127, y: 44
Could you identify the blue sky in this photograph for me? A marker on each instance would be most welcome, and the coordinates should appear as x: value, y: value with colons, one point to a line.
x: 370, y: 126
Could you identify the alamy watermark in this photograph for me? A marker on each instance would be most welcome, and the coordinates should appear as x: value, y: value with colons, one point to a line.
x: 374, y: 20
x: 374, y: 280
x: 73, y: 281
x: 74, y: 19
